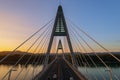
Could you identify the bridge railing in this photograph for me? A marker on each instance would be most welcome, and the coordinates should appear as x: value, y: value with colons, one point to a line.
x: 75, y: 70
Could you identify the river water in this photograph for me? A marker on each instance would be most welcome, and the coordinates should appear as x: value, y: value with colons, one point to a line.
x: 26, y: 71
x: 100, y: 73
x: 92, y: 73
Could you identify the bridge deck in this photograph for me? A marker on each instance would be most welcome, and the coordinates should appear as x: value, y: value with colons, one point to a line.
x: 61, y: 70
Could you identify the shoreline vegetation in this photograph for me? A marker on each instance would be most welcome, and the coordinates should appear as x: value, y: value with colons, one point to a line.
x: 80, y: 58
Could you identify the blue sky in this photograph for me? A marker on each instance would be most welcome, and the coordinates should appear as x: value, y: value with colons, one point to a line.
x: 99, y: 18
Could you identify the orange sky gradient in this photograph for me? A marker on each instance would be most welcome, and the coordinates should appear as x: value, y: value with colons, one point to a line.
x: 13, y: 31
x: 17, y: 24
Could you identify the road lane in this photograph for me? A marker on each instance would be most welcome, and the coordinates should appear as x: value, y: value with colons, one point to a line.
x: 59, y: 70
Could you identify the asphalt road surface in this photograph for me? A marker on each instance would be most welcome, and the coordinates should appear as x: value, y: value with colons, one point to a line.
x: 59, y: 70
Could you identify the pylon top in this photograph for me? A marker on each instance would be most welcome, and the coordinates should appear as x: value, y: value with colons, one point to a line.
x: 60, y: 28
x: 59, y: 7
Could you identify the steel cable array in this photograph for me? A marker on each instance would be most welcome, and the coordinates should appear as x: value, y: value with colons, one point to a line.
x: 76, y: 31
x: 25, y: 53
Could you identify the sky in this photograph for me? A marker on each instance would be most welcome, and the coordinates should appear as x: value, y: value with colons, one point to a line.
x: 20, y: 18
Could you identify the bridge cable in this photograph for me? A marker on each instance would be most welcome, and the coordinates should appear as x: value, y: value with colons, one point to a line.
x: 97, y: 55
x: 78, y: 28
x: 24, y: 55
x: 102, y: 62
x: 39, y: 58
x: 86, y: 52
x: 83, y: 63
x: 85, y: 60
x: 26, y: 51
x: 42, y: 49
x: 32, y: 53
x: 45, y: 44
x: 36, y: 62
x: 26, y: 40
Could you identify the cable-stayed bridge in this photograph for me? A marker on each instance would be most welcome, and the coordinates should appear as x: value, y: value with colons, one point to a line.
x: 60, y: 36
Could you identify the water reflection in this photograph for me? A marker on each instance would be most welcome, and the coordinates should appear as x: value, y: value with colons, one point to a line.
x: 25, y: 71
x: 100, y: 73
x: 92, y: 73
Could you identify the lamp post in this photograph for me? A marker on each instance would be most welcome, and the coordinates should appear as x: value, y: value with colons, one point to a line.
x: 10, y: 72
x: 110, y: 73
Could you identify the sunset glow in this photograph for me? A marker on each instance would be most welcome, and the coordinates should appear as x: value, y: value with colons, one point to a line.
x: 19, y: 19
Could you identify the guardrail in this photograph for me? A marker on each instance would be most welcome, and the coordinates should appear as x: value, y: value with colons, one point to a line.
x: 75, y: 71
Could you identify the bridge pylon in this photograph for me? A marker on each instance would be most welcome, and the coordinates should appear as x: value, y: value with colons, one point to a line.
x: 59, y: 47
x: 60, y: 29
